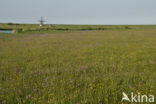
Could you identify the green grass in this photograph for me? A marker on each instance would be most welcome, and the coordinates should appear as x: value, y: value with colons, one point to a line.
x: 77, y: 67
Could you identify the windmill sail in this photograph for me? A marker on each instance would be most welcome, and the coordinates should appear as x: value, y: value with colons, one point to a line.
x: 41, y: 21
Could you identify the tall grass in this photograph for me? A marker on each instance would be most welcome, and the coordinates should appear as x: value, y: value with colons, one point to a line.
x: 87, y: 67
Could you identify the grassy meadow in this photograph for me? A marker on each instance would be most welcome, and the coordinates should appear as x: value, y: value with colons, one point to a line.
x: 77, y: 67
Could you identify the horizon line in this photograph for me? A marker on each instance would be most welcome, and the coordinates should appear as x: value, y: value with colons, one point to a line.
x: 70, y: 23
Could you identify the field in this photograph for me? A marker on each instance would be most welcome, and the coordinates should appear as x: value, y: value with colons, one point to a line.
x: 77, y: 67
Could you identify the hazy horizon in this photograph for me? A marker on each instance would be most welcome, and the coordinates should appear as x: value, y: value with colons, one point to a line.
x: 88, y: 12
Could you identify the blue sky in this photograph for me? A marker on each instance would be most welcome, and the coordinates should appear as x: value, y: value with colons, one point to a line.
x: 79, y: 11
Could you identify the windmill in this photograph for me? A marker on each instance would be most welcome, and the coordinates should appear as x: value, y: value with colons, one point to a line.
x: 41, y: 21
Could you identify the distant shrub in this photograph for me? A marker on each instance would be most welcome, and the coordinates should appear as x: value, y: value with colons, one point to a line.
x: 67, y: 29
x: 13, y: 24
x: 62, y: 29
x: 18, y: 30
x: 100, y: 28
x: 16, y: 24
x: 10, y: 23
x: 83, y: 29
x: 90, y: 28
x: 126, y: 27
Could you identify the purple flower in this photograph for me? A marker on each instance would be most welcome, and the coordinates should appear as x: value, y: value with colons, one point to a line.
x: 17, y: 70
x: 28, y: 96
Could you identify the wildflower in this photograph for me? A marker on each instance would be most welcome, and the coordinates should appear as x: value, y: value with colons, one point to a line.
x: 3, y: 102
x: 41, y: 73
x: 28, y: 96
x: 130, y: 86
x: 19, y: 91
x: 17, y: 70
x: 35, y: 89
x: 93, y: 70
x: 47, y: 83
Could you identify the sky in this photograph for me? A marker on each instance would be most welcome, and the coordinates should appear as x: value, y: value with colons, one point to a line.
x: 105, y: 12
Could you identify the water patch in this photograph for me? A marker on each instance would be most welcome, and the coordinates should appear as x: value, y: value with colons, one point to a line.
x: 6, y: 31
